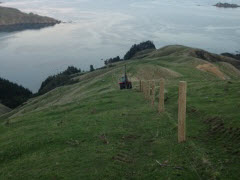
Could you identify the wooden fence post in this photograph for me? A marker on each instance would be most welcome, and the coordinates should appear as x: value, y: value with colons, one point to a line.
x: 153, y: 93
x: 161, y: 96
x: 149, y: 89
x: 140, y: 85
x: 145, y: 89
x: 182, y: 111
x: 143, y: 84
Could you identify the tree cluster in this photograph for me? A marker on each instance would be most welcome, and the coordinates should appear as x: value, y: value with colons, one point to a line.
x: 139, y: 47
x: 235, y: 56
x: 91, y: 68
x: 226, y: 5
x: 61, y: 79
x: 12, y: 95
x: 112, y: 60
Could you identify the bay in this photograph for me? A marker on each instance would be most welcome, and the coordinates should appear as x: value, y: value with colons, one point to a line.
x: 99, y: 29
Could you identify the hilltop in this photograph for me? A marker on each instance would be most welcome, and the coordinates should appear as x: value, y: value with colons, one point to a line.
x: 14, y: 20
x: 93, y: 130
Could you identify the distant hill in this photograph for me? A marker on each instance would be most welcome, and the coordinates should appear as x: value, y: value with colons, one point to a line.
x: 226, y: 5
x: 14, y: 20
x: 235, y: 56
x: 178, y: 50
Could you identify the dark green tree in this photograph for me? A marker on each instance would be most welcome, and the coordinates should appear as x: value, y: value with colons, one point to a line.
x: 71, y: 70
x: 112, y: 60
x: 12, y: 95
x: 235, y: 56
x: 91, y: 68
x: 139, y: 47
x: 61, y: 79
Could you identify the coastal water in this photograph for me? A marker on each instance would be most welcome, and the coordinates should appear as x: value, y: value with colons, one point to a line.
x: 99, y: 29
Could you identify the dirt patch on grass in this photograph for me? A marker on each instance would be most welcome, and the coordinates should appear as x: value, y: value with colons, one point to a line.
x: 211, y: 69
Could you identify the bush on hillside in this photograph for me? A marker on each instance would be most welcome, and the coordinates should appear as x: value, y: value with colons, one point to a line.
x: 12, y: 95
x: 91, y: 68
x: 112, y: 60
x: 235, y: 56
x: 139, y: 47
x: 61, y: 79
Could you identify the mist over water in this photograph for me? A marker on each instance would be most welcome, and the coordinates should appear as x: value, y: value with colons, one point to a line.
x: 97, y: 29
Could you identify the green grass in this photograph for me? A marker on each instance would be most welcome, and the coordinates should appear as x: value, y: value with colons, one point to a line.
x: 4, y: 109
x: 92, y: 130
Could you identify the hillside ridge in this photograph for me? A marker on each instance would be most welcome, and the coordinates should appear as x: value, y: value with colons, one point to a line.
x: 12, y: 19
x: 180, y: 50
x: 93, y: 130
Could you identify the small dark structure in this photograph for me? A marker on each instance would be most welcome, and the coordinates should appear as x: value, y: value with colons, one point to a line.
x: 124, y: 82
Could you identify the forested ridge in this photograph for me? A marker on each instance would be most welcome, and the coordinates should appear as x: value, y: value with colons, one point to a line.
x: 137, y: 48
x: 63, y: 78
x: 234, y: 56
x: 12, y: 95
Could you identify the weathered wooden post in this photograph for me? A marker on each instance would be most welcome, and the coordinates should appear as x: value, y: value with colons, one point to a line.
x: 145, y: 89
x: 148, y: 89
x: 153, y: 93
x: 143, y: 86
x: 182, y: 111
x: 140, y: 85
x: 161, y: 96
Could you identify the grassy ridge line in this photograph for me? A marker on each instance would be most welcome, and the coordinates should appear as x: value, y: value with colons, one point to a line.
x: 99, y: 143
x: 105, y: 133
x: 59, y: 128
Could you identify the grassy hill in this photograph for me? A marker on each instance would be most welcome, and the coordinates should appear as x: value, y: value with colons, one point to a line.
x: 12, y: 19
x: 4, y: 109
x: 93, y: 130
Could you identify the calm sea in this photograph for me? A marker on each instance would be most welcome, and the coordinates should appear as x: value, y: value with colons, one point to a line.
x: 99, y: 29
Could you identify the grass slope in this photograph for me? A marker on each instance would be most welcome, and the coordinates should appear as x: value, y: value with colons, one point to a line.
x: 92, y: 130
x: 4, y: 109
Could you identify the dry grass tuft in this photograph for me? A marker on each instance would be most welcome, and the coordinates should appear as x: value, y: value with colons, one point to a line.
x: 212, y: 69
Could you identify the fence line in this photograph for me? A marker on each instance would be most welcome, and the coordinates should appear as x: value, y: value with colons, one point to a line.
x: 161, y: 96
x: 148, y: 88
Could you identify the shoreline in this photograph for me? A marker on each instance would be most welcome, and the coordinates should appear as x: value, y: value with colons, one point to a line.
x: 25, y: 26
x: 13, y: 19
